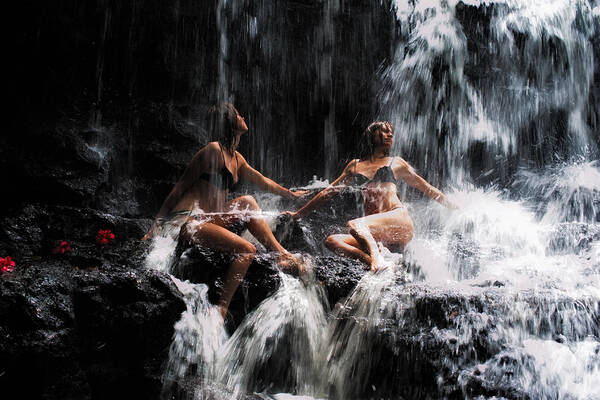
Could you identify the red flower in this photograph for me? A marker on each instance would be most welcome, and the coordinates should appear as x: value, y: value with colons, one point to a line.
x: 105, y: 237
x: 7, y: 264
x: 63, y: 247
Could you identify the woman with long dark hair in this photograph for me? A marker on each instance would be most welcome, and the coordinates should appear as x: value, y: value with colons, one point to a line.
x: 386, y: 218
x: 198, y: 202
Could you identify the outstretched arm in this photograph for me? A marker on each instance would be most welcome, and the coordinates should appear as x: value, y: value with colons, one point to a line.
x: 325, y: 194
x: 251, y: 175
x: 406, y: 172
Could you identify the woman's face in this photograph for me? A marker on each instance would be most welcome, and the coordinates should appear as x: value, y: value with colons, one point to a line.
x: 241, y: 125
x: 384, y: 137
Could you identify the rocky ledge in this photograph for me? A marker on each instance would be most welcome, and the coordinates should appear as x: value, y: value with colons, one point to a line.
x: 89, y: 322
x: 96, y: 332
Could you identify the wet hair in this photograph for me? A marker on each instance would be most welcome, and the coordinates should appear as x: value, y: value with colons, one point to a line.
x: 367, y: 145
x: 222, y: 122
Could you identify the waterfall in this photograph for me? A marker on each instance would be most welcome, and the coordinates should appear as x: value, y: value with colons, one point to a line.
x: 291, y: 322
x: 493, y: 95
x: 494, y: 102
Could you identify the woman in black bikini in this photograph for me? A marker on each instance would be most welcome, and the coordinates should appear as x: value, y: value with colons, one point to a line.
x: 198, y: 202
x: 387, y: 219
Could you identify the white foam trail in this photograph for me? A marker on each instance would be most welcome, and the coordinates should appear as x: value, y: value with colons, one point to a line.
x: 199, y: 336
x: 287, y: 327
x: 350, y: 332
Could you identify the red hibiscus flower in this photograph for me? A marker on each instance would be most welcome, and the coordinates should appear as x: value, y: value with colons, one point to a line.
x: 63, y: 247
x: 7, y: 264
x: 105, y: 237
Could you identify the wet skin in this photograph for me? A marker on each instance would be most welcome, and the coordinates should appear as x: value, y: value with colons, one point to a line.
x: 215, y: 216
x: 387, y: 219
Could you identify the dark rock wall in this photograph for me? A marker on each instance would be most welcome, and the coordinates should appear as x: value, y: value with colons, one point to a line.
x: 72, y: 333
x: 108, y: 98
x: 90, y: 323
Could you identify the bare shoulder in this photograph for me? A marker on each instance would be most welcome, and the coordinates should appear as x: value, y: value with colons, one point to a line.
x: 401, y: 165
x: 398, y: 162
x: 212, y: 147
x: 206, y: 155
x: 351, y: 165
x: 213, y: 150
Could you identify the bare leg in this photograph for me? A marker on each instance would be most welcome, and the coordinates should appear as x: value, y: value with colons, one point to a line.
x: 259, y: 228
x: 214, y: 236
x: 346, y: 245
x: 392, y: 227
x: 359, y: 229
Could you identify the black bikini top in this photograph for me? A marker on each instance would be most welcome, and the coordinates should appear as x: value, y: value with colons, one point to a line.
x: 222, y: 179
x: 383, y: 174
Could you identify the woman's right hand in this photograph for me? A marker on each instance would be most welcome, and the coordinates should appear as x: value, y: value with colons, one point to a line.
x: 291, y: 214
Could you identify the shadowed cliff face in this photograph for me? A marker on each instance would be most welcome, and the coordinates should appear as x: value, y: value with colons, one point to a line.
x: 109, y: 98
x: 116, y: 93
x: 85, y: 326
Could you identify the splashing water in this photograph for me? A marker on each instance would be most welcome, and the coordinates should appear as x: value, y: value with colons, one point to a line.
x: 354, y: 331
x: 569, y: 192
x: 502, y: 100
x: 198, y: 339
x: 291, y: 322
x: 503, y: 295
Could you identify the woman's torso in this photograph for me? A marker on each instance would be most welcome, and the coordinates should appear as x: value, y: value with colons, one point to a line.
x: 378, y: 185
x: 208, y: 192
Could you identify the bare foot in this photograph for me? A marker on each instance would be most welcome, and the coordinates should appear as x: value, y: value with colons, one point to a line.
x: 291, y: 265
x: 371, y: 264
x: 374, y: 267
x: 383, y: 264
x: 378, y: 263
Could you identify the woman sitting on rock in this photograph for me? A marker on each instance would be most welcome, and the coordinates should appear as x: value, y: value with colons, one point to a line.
x: 387, y: 219
x: 198, y: 202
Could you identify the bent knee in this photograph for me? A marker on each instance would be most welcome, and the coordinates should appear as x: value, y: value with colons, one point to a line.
x: 248, y: 249
x: 353, y: 227
x: 331, y: 241
x: 248, y: 201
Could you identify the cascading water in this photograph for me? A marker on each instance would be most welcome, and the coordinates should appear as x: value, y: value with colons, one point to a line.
x: 451, y: 95
x: 503, y: 295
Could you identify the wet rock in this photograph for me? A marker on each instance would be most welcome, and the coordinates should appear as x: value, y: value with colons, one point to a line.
x: 98, y: 332
x: 572, y: 237
x: 420, y: 338
x: 199, y: 265
x: 337, y: 275
x: 308, y: 234
x: 35, y: 230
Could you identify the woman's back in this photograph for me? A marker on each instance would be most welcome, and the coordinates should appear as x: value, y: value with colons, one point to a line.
x: 209, y: 178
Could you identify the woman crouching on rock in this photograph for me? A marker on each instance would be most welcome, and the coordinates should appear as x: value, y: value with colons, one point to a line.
x: 387, y: 219
x: 198, y: 202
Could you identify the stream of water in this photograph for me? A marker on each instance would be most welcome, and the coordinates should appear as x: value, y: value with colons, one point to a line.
x: 499, y: 299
